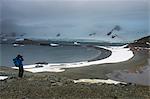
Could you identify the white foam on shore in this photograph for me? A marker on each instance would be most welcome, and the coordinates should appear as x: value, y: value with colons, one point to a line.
x: 108, y: 81
x: 3, y: 77
x: 119, y: 54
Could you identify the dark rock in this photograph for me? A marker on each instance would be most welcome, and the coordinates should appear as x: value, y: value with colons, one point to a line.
x: 57, y: 84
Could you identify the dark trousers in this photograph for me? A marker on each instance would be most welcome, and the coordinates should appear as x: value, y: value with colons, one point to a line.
x: 21, y: 70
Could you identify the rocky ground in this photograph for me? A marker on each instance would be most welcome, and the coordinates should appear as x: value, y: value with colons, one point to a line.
x: 48, y: 85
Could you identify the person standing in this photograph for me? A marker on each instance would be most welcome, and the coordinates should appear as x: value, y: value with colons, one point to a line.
x: 18, y: 63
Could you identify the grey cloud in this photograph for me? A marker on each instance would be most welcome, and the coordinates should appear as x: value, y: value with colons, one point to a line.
x: 64, y: 26
x: 9, y: 26
x: 74, y: 19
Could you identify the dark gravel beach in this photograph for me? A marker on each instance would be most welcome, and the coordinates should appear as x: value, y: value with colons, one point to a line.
x: 60, y: 85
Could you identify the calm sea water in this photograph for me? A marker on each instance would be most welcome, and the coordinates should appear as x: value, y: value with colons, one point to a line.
x: 33, y: 54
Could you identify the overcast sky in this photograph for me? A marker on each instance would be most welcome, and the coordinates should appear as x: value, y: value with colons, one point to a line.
x: 76, y: 18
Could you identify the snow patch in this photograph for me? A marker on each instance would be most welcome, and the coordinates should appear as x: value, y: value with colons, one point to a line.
x: 108, y: 81
x: 3, y: 77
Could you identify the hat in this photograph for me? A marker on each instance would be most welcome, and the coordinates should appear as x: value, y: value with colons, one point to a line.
x: 19, y: 55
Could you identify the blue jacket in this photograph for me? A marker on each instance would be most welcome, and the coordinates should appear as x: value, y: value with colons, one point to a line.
x: 18, y: 62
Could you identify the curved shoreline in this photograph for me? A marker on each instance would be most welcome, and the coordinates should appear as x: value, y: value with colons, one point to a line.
x: 104, y: 54
x: 118, y: 54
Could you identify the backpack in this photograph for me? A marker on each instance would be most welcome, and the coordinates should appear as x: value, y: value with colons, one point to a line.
x: 15, y: 61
